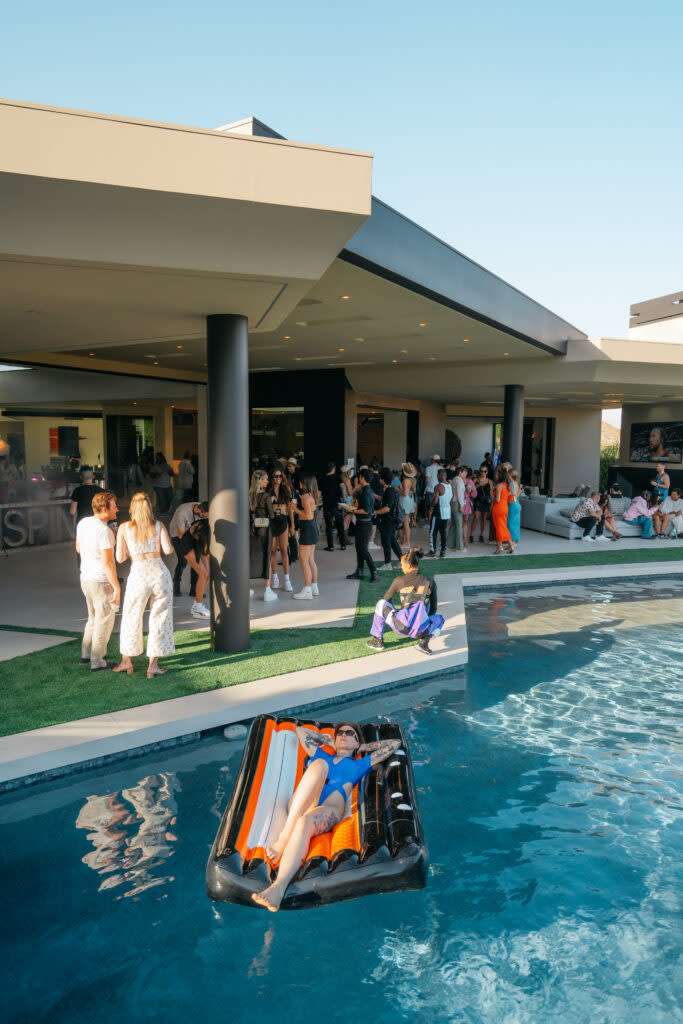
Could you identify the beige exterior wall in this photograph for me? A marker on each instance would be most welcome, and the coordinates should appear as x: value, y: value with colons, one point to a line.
x: 475, y: 434
x: 577, y: 448
x: 664, y: 330
x: 432, y: 436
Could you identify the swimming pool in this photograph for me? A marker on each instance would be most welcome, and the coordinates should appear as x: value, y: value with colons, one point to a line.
x: 551, y: 799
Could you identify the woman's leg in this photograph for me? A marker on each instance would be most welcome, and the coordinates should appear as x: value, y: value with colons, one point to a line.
x: 304, y: 797
x: 312, y: 566
x: 313, y: 823
x: 465, y: 530
x: 273, y: 555
x: 304, y: 558
x: 283, y: 541
x: 202, y: 575
x: 475, y: 520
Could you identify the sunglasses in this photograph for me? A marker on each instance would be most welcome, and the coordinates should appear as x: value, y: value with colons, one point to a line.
x: 277, y: 476
x: 347, y: 732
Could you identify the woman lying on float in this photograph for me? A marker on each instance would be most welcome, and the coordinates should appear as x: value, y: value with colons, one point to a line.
x: 319, y: 801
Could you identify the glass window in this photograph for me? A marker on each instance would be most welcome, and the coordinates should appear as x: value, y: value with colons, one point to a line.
x: 276, y: 433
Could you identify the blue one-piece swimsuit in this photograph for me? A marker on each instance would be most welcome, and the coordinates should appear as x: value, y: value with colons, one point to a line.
x: 349, y: 769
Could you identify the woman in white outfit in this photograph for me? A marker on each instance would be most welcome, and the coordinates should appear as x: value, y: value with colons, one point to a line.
x: 142, y: 539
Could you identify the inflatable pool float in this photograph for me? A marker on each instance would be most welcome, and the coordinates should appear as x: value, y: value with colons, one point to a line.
x: 377, y: 847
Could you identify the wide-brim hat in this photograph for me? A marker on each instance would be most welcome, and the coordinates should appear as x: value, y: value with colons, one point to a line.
x: 292, y: 461
x: 436, y: 458
x: 408, y: 469
x: 345, y: 469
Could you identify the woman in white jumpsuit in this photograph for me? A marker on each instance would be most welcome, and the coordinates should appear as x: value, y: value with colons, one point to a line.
x: 143, y: 540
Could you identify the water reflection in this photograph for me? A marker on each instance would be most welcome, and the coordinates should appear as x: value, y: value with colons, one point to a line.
x: 131, y: 832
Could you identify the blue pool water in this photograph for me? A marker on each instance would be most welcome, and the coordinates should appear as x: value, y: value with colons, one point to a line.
x: 551, y: 797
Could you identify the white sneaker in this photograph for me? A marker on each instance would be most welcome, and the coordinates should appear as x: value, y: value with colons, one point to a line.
x: 199, y: 611
x: 251, y: 592
x: 305, y: 594
x: 314, y: 590
x: 601, y: 536
x: 373, y: 545
x: 275, y: 582
x: 288, y: 584
x: 589, y: 540
x: 268, y: 594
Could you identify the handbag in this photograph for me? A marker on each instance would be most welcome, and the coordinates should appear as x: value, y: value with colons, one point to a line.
x: 293, y: 549
x: 260, y: 522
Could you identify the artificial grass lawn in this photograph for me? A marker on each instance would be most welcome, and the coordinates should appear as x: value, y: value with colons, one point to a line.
x: 49, y: 687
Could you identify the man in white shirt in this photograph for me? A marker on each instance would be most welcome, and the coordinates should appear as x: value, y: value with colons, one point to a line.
x: 100, y: 586
x: 182, y: 519
x: 455, y: 538
x: 431, y: 480
x: 670, y: 509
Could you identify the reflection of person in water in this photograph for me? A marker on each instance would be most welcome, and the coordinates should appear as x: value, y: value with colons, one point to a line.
x: 131, y: 832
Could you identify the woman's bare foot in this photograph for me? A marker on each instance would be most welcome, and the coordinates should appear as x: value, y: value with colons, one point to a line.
x: 270, y: 898
x: 125, y: 666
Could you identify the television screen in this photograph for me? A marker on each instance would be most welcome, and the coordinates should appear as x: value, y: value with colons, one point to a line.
x: 656, y: 442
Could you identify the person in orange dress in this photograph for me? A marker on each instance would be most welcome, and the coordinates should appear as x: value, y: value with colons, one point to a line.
x: 499, y: 514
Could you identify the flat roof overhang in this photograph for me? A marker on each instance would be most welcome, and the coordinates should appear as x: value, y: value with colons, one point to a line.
x: 123, y: 235
x: 118, y: 231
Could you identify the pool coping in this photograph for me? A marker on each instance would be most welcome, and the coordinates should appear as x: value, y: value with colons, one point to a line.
x: 30, y: 757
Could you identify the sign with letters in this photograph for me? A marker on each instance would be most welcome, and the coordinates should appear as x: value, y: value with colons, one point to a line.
x: 29, y: 524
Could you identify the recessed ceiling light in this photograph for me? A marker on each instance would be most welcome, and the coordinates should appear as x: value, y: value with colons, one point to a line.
x: 432, y: 359
x: 179, y: 346
x: 465, y: 341
x: 156, y: 362
x: 302, y: 323
x: 297, y: 359
x: 288, y: 337
x: 404, y: 351
x: 506, y: 353
x: 359, y: 339
x: 91, y: 353
x: 394, y: 360
x: 344, y: 296
x: 340, y: 350
x: 135, y: 403
x: 422, y: 325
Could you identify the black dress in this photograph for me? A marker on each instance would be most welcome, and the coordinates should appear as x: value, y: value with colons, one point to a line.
x: 260, y: 537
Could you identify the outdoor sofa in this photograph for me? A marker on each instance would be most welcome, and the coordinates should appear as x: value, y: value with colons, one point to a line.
x: 551, y: 515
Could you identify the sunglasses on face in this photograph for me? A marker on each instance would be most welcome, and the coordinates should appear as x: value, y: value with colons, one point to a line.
x: 277, y: 476
x: 347, y: 732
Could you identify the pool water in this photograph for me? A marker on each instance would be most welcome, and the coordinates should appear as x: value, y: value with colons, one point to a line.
x: 550, y: 794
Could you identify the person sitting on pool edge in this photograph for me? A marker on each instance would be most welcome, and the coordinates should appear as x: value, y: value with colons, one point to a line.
x: 319, y: 801
x: 416, y: 617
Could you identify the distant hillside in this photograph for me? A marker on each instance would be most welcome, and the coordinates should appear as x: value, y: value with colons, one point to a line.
x: 609, y: 435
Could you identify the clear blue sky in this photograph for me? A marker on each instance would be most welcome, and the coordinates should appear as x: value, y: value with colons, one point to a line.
x: 542, y: 139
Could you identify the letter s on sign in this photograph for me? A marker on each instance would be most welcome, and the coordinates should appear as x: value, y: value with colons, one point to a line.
x: 17, y: 527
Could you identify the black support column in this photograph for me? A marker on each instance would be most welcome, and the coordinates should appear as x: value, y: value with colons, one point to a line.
x: 228, y: 477
x: 513, y: 424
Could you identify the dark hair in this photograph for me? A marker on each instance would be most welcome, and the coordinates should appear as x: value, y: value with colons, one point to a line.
x: 204, y: 505
x: 354, y: 725
x: 160, y: 458
x: 331, y: 466
x: 502, y: 475
x: 413, y: 556
x: 186, y: 455
x: 201, y: 534
x: 386, y: 476
x: 309, y: 485
x: 284, y: 493
x: 365, y: 473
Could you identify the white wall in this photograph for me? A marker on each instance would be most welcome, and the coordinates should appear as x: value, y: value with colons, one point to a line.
x: 663, y: 330
x: 432, y: 430
x: 577, y: 449
x: 395, y: 432
x: 475, y: 434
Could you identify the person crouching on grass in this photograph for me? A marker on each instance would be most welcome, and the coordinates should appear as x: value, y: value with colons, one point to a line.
x: 416, y: 617
x: 319, y: 801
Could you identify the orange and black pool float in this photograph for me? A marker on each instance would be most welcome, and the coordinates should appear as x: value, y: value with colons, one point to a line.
x: 377, y: 847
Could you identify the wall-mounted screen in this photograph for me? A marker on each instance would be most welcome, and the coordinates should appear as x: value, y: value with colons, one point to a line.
x: 656, y: 442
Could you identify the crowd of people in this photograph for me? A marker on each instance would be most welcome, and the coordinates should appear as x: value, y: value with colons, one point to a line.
x: 376, y: 507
